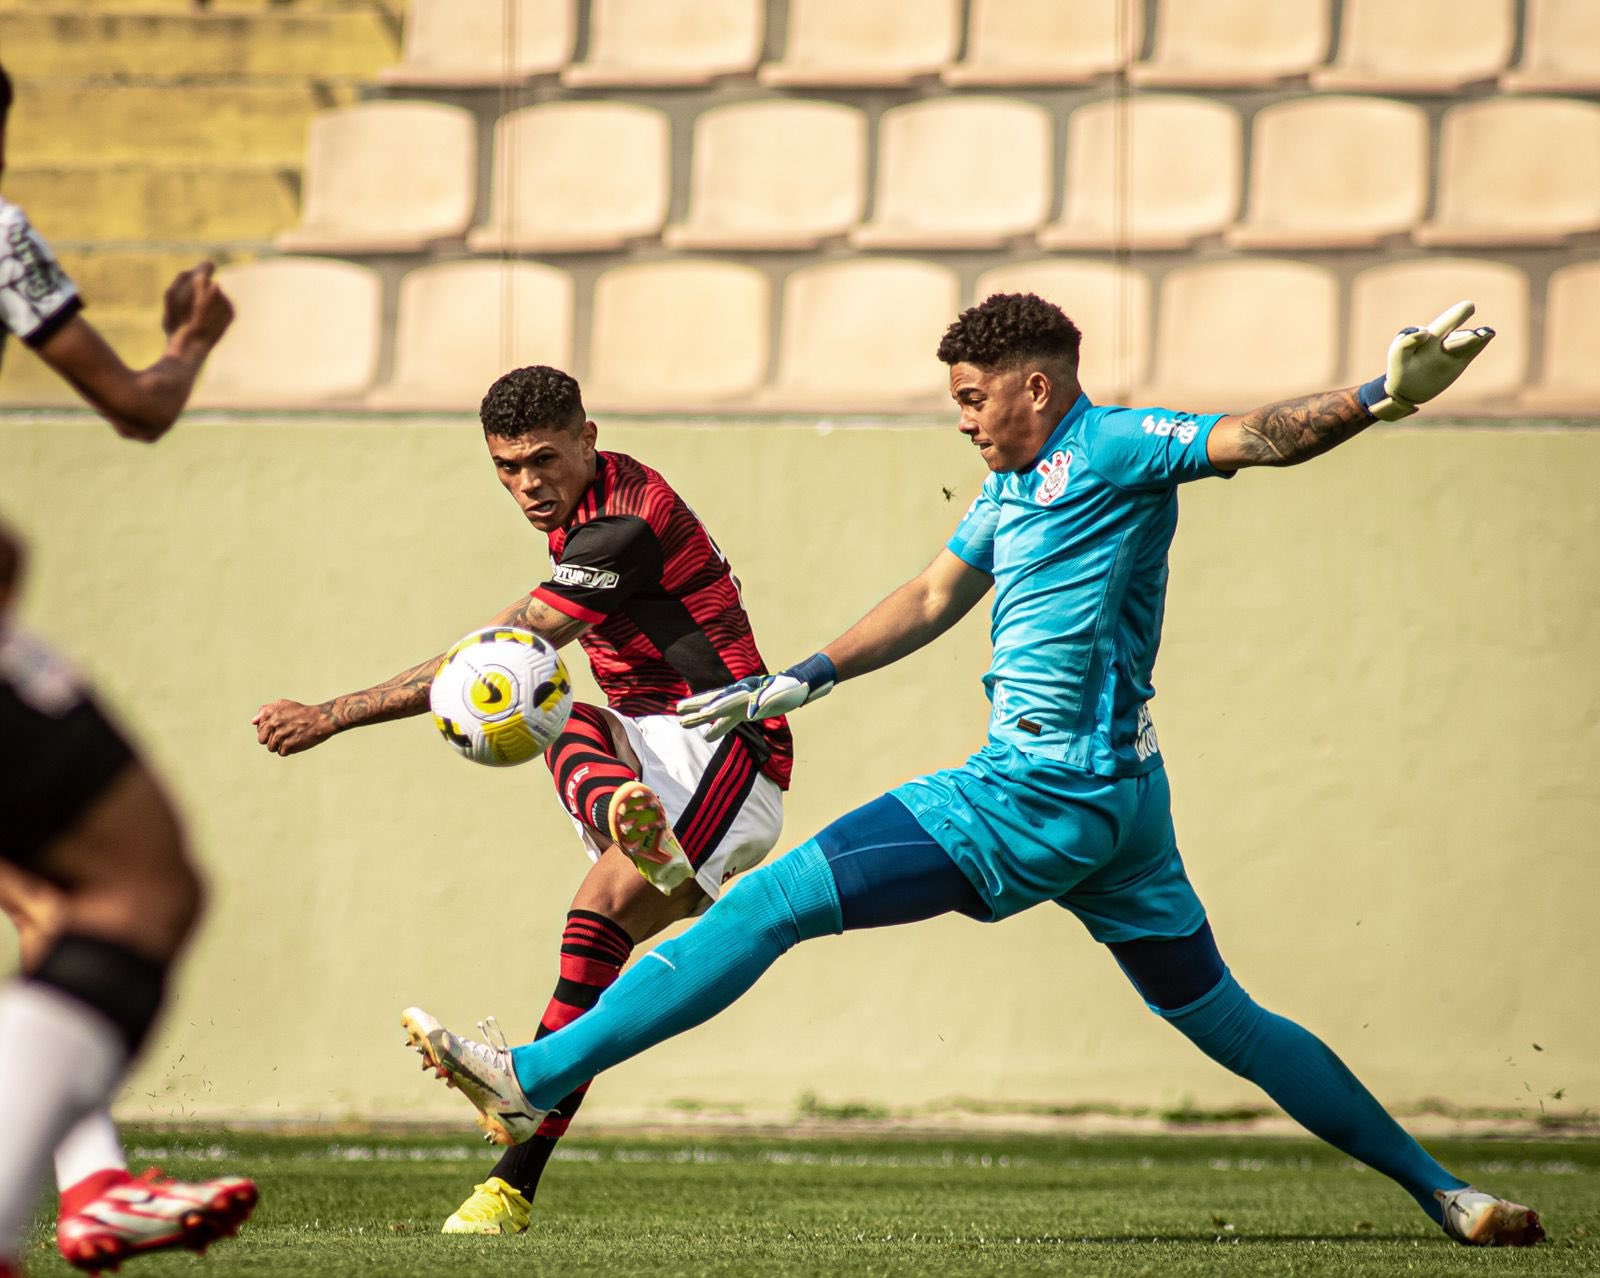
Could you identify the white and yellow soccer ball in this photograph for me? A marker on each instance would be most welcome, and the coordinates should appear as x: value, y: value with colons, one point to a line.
x: 501, y: 696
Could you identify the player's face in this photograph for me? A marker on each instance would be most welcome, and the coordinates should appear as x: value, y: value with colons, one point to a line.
x: 1004, y: 412
x: 546, y: 472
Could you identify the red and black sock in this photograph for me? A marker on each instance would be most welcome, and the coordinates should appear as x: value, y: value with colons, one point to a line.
x: 585, y: 766
x: 593, y: 951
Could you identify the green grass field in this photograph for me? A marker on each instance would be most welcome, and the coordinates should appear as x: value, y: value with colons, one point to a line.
x: 869, y: 1204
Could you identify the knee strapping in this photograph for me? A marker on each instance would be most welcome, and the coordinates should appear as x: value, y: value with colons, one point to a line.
x: 124, y: 987
x: 792, y: 900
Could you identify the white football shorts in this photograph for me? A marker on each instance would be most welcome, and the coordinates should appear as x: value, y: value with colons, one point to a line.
x: 726, y: 819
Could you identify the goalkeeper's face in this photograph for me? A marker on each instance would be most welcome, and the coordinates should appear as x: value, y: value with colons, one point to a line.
x: 545, y: 471
x: 1007, y: 413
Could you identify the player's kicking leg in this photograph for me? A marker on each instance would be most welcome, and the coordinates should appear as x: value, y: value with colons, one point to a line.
x: 605, y: 785
x: 84, y: 815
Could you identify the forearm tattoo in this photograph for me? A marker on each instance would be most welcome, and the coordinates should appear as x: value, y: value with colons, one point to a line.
x: 1292, y: 430
x: 405, y: 694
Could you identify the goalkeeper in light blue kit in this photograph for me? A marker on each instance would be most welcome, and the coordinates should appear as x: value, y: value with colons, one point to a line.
x: 1068, y: 800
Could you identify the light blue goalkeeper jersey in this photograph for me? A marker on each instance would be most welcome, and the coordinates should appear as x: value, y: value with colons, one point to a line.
x: 1077, y: 546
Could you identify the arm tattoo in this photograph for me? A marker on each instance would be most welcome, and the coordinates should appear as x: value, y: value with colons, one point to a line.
x: 404, y: 695
x: 557, y: 627
x: 1292, y: 430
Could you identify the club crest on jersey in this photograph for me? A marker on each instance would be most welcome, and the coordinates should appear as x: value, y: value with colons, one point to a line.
x: 1052, y: 472
x: 593, y: 578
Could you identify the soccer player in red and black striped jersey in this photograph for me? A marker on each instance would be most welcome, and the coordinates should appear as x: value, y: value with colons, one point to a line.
x: 665, y: 816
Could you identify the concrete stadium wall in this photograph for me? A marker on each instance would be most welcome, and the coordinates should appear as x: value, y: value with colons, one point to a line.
x: 1378, y: 699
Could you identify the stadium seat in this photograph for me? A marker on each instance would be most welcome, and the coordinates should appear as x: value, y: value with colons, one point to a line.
x: 847, y: 43
x: 1570, y: 379
x: 1384, y: 299
x: 1234, y: 43
x: 1150, y: 172
x: 1560, y: 49
x: 576, y: 177
x: 467, y: 43
x: 960, y: 172
x: 1233, y: 335
x: 677, y: 334
x: 306, y: 331
x: 1013, y: 42
x: 861, y: 336
x: 778, y: 174
x: 1419, y: 46
x: 665, y: 43
x: 1110, y: 305
x: 1313, y: 183
x: 1516, y: 171
x: 462, y: 324
x: 386, y: 177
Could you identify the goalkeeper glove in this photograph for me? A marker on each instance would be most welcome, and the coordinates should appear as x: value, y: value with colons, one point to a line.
x: 758, y: 697
x: 1423, y: 362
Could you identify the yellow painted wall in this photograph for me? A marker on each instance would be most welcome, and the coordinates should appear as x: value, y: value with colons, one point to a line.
x: 1378, y: 699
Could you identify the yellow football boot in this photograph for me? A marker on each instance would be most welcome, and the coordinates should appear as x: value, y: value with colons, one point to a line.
x: 494, y: 1208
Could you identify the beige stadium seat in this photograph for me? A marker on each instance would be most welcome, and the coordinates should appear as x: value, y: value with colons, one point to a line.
x: 386, y: 177
x: 1109, y: 303
x: 1419, y: 46
x: 463, y: 324
x: 778, y: 174
x: 478, y: 42
x: 960, y: 172
x: 1047, y: 41
x: 848, y: 43
x: 1233, y: 335
x: 1235, y: 43
x: 1570, y: 381
x: 1384, y: 299
x: 1560, y: 49
x: 862, y: 335
x: 576, y: 177
x: 665, y: 43
x: 1150, y: 172
x: 1516, y: 171
x: 306, y: 331
x: 677, y: 334
x: 1313, y: 180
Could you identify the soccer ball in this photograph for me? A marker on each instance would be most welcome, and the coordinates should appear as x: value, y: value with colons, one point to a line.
x: 501, y: 696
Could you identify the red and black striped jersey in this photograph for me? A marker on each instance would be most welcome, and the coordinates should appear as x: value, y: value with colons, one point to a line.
x: 663, y: 606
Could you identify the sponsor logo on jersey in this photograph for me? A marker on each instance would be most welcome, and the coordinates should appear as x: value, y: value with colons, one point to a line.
x: 589, y: 578
x: 1145, y: 744
x: 1180, y: 429
x: 1052, y: 472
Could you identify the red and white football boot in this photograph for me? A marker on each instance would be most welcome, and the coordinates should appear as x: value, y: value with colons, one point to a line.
x: 133, y: 1215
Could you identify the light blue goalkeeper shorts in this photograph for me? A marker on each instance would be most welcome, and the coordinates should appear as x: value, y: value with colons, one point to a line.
x: 1024, y: 829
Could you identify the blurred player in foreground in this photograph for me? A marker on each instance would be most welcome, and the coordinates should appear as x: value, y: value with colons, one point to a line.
x: 639, y: 582
x: 1068, y: 800
x: 93, y: 868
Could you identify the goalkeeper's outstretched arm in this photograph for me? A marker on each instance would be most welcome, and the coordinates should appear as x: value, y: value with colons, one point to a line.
x: 288, y: 727
x: 1422, y: 363
x: 914, y: 615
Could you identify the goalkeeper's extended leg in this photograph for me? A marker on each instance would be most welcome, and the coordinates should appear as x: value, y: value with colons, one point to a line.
x: 1185, y: 982
x: 874, y: 867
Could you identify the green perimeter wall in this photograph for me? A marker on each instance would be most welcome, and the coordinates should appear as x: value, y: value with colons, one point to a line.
x: 1378, y: 699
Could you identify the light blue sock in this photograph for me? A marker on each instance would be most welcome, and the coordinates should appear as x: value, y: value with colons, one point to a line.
x: 691, y: 978
x: 1312, y: 1085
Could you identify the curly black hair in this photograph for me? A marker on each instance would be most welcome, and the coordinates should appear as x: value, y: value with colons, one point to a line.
x: 534, y: 398
x: 1009, y: 329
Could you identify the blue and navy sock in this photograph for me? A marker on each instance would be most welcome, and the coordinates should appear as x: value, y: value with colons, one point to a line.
x: 1312, y: 1085
x: 691, y: 978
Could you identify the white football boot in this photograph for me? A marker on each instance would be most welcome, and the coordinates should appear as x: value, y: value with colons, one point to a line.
x: 1482, y: 1220
x: 640, y: 827
x: 479, y: 1071
x: 152, y: 1213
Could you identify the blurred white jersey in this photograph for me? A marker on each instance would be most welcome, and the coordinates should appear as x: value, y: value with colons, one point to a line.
x: 36, y: 297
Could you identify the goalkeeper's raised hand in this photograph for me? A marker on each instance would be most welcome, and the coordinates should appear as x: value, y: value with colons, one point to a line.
x: 1423, y: 362
x: 758, y: 697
